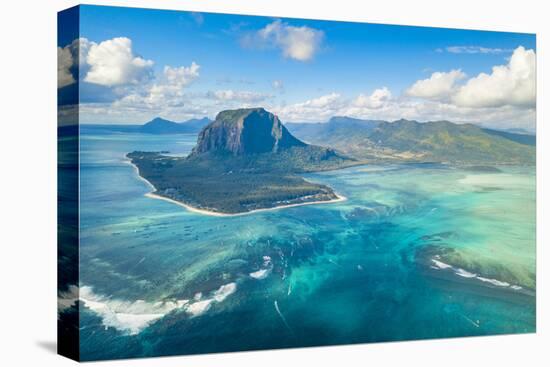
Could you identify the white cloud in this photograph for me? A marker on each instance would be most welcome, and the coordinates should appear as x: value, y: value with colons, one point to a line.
x: 65, y: 62
x: 326, y: 101
x: 113, y: 62
x: 67, y: 59
x: 504, y: 98
x: 513, y: 84
x: 298, y: 43
x: 168, y: 91
x: 133, y: 93
x: 381, y: 105
x: 181, y: 76
x: 439, y: 86
x: 375, y: 100
x: 316, y: 109
x: 475, y: 50
x: 378, y: 104
x: 237, y: 96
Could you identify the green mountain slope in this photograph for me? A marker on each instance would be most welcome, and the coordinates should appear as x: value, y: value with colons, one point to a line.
x: 405, y: 140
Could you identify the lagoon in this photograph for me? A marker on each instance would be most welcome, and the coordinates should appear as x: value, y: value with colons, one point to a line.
x: 415, y: 252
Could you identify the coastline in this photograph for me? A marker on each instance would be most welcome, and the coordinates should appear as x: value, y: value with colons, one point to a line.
x: 136, y: 169
x: 152, y: 195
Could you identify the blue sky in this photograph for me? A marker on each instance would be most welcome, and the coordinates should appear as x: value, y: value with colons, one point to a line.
x: 303, y: 70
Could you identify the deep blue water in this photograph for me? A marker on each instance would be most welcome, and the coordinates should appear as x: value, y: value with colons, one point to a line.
x: 415, y: 252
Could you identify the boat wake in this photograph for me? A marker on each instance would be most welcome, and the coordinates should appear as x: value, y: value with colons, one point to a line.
x: 282, y: 316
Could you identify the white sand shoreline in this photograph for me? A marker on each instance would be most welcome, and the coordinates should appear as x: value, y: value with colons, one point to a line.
x: 139, y: 175
x: 152, y: 195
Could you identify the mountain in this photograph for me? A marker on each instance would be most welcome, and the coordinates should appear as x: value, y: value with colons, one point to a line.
x: 256, y: 136
x: 162, y: 126
x: 413, y: 141
x: 245, y: 131
x: 245, y: 160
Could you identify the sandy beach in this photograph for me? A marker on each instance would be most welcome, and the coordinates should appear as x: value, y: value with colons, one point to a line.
x: 152, y: 195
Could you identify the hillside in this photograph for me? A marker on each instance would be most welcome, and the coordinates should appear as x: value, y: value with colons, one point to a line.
x: 412, y: 141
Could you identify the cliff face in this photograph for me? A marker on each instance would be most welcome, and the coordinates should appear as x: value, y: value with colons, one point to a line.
x: 245, y: 131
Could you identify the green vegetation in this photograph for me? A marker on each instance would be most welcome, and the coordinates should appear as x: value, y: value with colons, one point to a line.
x: 412, y: 141
x: 227, y: 184
x: 243, y: 161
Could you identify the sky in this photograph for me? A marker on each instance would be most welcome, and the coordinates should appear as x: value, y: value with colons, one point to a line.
x: 136, y: 64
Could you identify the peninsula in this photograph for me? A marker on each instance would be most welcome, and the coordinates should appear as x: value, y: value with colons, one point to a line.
x: 244, y: 161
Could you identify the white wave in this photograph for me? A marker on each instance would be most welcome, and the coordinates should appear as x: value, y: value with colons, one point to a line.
x: 127, y: 316
x: 260, y: 274
x: 440, y: 264
x: 133, y: 316
x: 263, y: 273
x: 498, y: 283
x: 465, y: 274
x: 200, y: 307
x: 224, y: 291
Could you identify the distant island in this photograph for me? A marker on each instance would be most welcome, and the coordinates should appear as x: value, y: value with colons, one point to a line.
x: 161, y: 126
x: 157, y: 126
x: 244, y: 161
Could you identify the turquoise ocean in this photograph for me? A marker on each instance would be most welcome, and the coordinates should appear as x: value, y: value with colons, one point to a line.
x: 415, y: 252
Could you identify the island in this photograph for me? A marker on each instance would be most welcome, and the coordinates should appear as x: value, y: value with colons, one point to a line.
x: 159, y: 125
x: 244, y: 161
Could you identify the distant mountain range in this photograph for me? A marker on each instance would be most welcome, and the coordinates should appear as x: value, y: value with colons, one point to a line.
x: 370, y: 141
x: 412, y: 141
x: 156, y: 126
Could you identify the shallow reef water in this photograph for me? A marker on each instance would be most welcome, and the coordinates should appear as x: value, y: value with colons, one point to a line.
x: 415, y: 252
